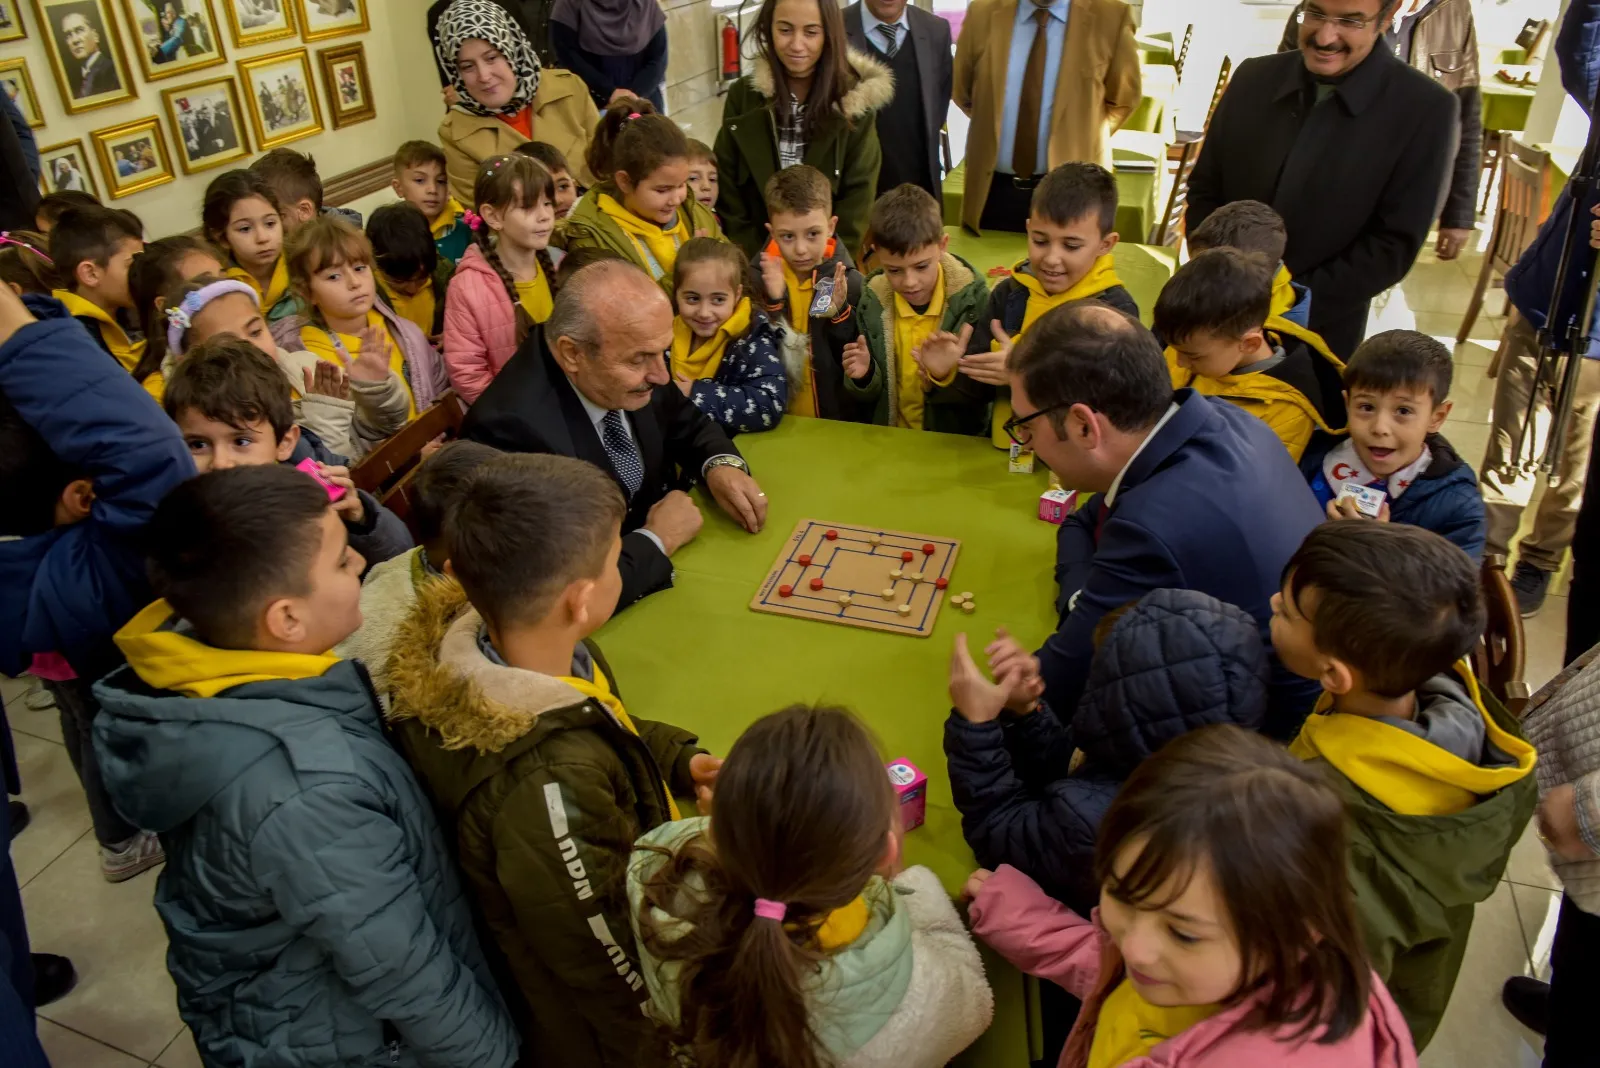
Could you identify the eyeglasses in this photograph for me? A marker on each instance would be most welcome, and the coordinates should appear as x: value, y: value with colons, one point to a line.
x: 1017, y: 428
x: 1310, y: 16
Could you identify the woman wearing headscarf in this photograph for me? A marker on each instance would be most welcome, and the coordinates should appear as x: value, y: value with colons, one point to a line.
x: 618, y: 47
x: 505, y: 99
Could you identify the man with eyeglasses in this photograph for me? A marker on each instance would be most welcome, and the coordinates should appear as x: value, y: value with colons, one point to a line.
x: 1349, y: 144
x: 1191, y: 492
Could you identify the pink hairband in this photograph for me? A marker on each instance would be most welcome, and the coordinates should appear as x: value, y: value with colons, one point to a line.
x: 768, y: 909
x: 634, y: 115
x: 181, y: 318
x: 472, y: 219
x: 7, y: 239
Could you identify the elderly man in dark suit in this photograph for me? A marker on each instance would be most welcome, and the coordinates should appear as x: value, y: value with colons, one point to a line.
x: 593, y: 383
x: 915, y: 45
x: 1351, y: 145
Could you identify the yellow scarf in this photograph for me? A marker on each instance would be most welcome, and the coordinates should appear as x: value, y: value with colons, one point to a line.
x: 1283, y: 298
x: 170, y: 660
x: 418, y: 309
x: 277, y: 288
x: 657, y: 247
x: 1407, y: 774
x: 1283, y: 294
x: 802, y: 395
x: 910, y: 330
x: 342, y: 349
x: 114, y: 337
x: 1130, y: 1027
x: 446, y: 219
x: 705, y: 357
x: 844, y: 925
x: 600, y: 690
x: 535, y: 298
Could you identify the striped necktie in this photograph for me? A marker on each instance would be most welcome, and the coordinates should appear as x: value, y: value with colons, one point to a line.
x: 891, y: 33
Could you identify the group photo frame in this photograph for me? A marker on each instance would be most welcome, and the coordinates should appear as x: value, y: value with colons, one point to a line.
x: 85, y: 50
x: 280, y: 97
x: 17, y: 82
x: 174, y: 37
x: 133, y: 157
x: 208, y: 124
x: 254, y: 22
x: 65, y: 167
x: 324, y: 19
x: 344, y: 79
x: 11, y: 26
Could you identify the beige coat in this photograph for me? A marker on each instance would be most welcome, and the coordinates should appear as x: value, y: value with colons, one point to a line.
x: 564, y: 115
x: 1098, y: 87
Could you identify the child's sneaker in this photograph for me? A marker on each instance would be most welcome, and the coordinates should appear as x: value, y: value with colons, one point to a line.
x: 139, y: 853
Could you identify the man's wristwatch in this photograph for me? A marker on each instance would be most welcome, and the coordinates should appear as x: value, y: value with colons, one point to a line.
x: 726, y: 459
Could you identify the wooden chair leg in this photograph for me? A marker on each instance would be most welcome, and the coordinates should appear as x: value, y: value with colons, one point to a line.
x: 1475, y: 305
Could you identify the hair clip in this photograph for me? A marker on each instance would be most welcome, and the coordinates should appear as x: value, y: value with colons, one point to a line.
x: 7, y: 239
x: 181, y: 318
x: 472, y: 219
x: 634, y: 115
x: 771, y: 910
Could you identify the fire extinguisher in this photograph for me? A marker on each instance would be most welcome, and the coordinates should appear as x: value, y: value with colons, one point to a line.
x: 730, y: 48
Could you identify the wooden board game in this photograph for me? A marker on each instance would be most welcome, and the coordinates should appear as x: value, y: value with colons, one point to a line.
x: 840, y: 574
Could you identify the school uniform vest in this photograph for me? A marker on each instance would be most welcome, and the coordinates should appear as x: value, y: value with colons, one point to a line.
x: 902, y: 130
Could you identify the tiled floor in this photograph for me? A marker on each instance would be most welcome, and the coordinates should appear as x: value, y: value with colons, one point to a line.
x: 122, y: 1013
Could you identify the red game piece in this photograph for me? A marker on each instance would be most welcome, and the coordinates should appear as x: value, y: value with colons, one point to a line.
x: 804, y: 559
x: 939, y: 583
x: 832, y: 535
x: 927, y: 548
x: 816, y: 584
x: 785, y: 590
x: 907, y: 556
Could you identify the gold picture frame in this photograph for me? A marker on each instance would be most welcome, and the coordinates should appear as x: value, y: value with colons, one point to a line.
x: 254, y: 22
x: 98, y: 75
x: 133, y: 157
x: 344, y: 79
x: 17, y: 81
x: 322, y: 20
x: 192, y: 42
x: 280, y: 97
x: 208, y: 124
x: 66, y: 166
x: 11, y: 25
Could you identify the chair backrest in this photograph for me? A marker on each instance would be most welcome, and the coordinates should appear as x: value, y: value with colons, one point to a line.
x: 1223, y: 75
x: 1183, y: 51
x: 1168, y: 230
x: 386, y: 472
x: 1499, y: 660
x: 1531, y: 37
x: 1516, y: 217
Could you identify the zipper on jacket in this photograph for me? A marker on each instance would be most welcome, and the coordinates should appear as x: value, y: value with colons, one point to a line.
x: 391, y: 1035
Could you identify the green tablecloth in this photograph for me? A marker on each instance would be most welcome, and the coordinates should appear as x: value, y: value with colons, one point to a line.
x: 697, y: 657
x: 1505, y: 107
x: 1136, y: 201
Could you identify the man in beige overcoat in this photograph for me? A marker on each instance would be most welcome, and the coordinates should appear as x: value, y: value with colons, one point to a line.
x: 1045, y: 82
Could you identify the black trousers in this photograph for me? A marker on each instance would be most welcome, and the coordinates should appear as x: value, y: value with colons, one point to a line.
x: 1583, y: 603
x: 1574, y: 989
x: 77, y: 706
x: 1008, y: 203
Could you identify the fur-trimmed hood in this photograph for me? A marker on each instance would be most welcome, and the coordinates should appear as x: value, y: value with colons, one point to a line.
x: 873, y: 91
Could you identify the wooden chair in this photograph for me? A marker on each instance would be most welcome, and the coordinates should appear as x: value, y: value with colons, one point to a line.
x: 386, y: 472
x: 1182, y: 54
x: 1516, y: 221
x: 1499, y: 659
x: 1168, y: 230
x: 1534, y: 31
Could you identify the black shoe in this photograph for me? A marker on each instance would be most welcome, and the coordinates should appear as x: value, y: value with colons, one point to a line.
x: 53, y: 978
x: 1530, y: 585
x: 1528, y: 1000
x: 19, y: 817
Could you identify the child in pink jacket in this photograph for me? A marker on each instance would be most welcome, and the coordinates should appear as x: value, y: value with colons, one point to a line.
x: 1226, y: 935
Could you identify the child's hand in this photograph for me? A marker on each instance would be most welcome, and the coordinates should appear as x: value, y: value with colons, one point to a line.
x: 975, y: 883
x: 942, y: 351
x: 349, y: 507
x: 373, y: 363
x: 684, y: 383
x: 990, y: 367
x: 841, y: 291
x: 976, y: 699
x: 1346, y: 509
x: 857, y: 359
x: 1008, y: 659
x: 1558, y: 824
x: 326, y: 380
x: 772, y: 278
x: 703, y: 769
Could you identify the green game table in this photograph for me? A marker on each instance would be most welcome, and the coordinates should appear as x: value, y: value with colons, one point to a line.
x: 1505, y: 107
x: 698, y: 657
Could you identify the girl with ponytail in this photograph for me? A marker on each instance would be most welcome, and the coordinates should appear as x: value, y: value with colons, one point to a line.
x: 777, y: 934
x: 506, y: 281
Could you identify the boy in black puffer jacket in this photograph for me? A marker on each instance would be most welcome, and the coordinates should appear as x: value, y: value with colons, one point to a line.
x: 1170, y: 662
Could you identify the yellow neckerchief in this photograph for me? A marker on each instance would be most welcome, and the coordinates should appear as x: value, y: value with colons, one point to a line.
x: 1279, y: 325
x: 1407, y: 774
x: 535, y: 298
x: 696, y: 359
x: 1283, y: 294
x: 844, y: 925
x: 911, y: 329
x: 171, y: 660
x: 446, y: 220
x: 115, y: 338
x: 657, y: 247
x: 419, y: 309
x: 1130, y: 1027
x: 277, y: 288
x: 341, y: 350
x: 802, y: 395
x: 600, y: 690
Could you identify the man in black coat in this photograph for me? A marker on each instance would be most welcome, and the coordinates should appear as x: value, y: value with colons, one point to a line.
x: 915, y: 45
x: 593, y: 383
x: 1349, y: 144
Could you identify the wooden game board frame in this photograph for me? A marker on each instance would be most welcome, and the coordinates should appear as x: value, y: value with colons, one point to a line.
x: 869, y: 609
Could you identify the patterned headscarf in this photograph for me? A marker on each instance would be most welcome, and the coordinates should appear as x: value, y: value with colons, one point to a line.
x: 484, y: 20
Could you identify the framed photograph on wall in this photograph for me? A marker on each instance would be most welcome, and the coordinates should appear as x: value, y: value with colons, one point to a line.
x: 174, y: 37
x: 66, y: 166
x: 254, y: 22
x: 18, y: 85
x: 344, y: 79
x: 208, y: 124
x: 281, y: 99
x: 11, y: 27
x: 322, y: 19
x: 85, y: 53
x: 133, y: 157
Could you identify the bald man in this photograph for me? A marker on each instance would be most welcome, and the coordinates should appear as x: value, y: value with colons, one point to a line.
x: 592, y: 382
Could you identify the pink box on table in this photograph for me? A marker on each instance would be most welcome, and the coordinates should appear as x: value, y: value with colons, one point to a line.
x: 912, y: 787
x: 1055, y: 505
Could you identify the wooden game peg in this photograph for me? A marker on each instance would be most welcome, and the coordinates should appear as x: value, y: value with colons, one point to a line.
x: 957, y: 599
x: 897, y: 574
x: 904, y: 610
x: 968, y: 607
x: 874, y: 539
x: 915, y: 576
x: 888, y: 595
x: 844, y: 600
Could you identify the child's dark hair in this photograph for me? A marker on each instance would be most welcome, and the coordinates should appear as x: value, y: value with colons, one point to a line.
x: 1222, y: 291
x: 440, y: 481
x: 905, y: 219
x: 1396, y: 359
x: 32, y: 476
x: 1271, y: 831
x: 506, y: 182
x: 293, y: 174
x: 223, y: 544
x: 831, y: 79
x: 51, y: 205
x: 25, y: 262
x: 526, y: 528
x: 633, y: 139
x: 797, y: 190
x: 803, y: 814
x: 151, y: 277
x: 546, y: 155
x: 698, y: 250
x: 321, y: 242
x: 226, y: 190
x: 91, y: 234
x: 1397, y: 603
x: 228, y: 380
x: 1074, y: 190
x: 1247, y: 225
x: 700, y: 152
x: 414, y: 154
x: 402, y: 242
